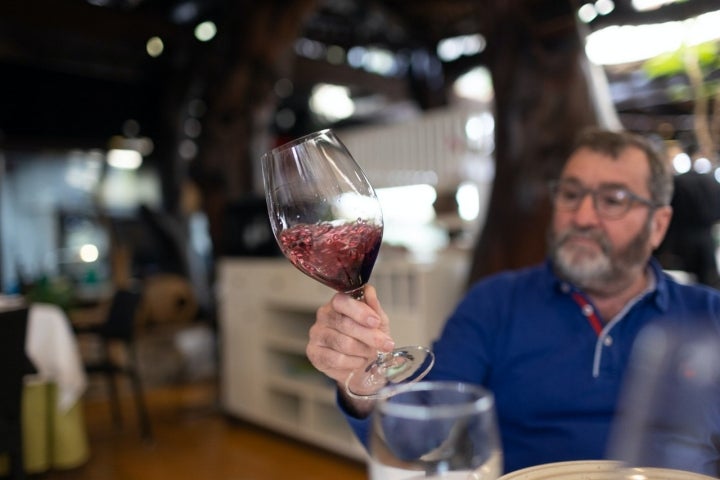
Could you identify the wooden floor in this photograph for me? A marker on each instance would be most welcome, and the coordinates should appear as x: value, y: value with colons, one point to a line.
x: 194, y: 440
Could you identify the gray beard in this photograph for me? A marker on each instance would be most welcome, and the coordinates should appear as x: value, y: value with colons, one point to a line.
x: 599, y: 270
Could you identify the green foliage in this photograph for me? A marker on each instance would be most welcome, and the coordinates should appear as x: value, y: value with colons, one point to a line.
x: 58, y: 291
x: 673, y: 63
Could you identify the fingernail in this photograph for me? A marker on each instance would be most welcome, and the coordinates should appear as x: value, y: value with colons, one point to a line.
x: 373, y: 322
x: 388, y: 345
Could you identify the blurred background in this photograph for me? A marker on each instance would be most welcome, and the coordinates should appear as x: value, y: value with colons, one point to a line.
x: 137, y: 125
x: 131, y: 133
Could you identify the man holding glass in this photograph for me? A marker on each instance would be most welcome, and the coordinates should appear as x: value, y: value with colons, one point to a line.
x: 552, y: 341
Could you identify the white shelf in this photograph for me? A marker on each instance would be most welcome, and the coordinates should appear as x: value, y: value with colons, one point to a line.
x: 267, y: 307
x: 293, y: 345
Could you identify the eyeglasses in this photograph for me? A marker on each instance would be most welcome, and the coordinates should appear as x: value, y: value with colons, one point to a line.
x: 610, y: 202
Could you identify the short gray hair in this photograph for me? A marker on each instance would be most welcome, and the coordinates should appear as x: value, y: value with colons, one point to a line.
x: 614, y: 143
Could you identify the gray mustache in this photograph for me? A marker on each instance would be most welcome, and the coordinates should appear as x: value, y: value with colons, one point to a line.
x: 591, y: 234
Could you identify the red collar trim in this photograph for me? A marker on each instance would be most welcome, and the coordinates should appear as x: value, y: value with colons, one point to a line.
x: 589, y: 311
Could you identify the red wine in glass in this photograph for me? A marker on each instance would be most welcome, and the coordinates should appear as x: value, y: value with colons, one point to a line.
x: 327, y: 219
x: 340, y: 257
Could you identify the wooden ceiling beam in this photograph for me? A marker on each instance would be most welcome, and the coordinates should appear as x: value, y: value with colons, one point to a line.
x: 82, y: 39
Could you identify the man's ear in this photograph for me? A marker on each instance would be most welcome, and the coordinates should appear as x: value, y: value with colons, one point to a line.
x: 660, y: 223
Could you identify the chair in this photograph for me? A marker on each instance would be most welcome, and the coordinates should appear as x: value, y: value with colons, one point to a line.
x: 118, y: 327
x: 13, y: 367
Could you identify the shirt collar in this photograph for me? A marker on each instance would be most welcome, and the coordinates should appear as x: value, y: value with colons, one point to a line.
x: 661, y: 296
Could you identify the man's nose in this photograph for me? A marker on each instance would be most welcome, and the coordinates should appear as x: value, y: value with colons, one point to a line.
x: 586, y: 213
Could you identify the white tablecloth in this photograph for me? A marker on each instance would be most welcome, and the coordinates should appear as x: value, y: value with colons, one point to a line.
x: 52, y: 347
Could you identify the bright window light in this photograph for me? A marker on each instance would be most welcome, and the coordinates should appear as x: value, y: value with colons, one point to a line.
x: 587, y: 13
x: 702, y: 165
x: 372, y: 59
x: 682, y: 162
x: 703, y: 28
x: 645, y: 5
x: 625, y: 44
x: 124, y: 159
x: 356, y: 56
x: 205, y: 31
x: 154, y: 47
x: 351, y: 206
x: 89, y: 253
x: 604, y: 7
x: 84, y: 170
x: 450, y: 49
x: 480, y: 128
x: 395, y: 201
x: 617, y: 45
x: 468, y: 200
x: 475, y: 85
x: 412, y: 228
x: 332, y: 102
x: 380, y: 61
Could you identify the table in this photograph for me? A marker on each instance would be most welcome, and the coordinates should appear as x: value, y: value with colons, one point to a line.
x: 54, y: 431
x: 13, y: 365
x: 53, y: 349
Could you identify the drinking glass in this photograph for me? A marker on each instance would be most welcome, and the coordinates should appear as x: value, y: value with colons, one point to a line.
x: 670, y: 402
x: 327, y: 220
x: 435, y: 430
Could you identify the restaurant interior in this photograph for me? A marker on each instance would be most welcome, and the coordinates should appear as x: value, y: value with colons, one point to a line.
x: 131, y: 133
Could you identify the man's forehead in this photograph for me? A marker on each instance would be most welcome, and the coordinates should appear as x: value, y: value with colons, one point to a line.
x: 629, y: 167
x: 630, y: 160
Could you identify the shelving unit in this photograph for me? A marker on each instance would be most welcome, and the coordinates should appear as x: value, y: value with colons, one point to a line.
x: 266, y: 309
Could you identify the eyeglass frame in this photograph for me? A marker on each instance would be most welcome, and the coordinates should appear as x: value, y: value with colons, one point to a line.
x: 632, y: 197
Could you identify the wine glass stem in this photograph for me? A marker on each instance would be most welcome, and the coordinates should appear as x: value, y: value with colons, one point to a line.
x: 382, y: 356
x: 359, y: 294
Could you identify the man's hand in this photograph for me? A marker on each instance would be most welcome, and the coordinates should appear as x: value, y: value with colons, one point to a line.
x: 346, y: 336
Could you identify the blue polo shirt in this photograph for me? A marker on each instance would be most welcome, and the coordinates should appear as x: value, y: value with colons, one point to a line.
x: 555, y: 368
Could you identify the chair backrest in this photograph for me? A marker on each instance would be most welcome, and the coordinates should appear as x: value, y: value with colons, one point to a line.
x: 13, y: 366
x: 120, y: 320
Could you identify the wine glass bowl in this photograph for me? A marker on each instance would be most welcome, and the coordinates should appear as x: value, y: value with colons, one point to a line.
x: 328, y: 222
x: 323, y: 211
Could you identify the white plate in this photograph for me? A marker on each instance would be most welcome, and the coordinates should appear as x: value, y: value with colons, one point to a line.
x: 598, y: 470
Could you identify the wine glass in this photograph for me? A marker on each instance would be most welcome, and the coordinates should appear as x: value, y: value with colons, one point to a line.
x: 435, y: 430
x: 670, y: 402
x: 328, y: 222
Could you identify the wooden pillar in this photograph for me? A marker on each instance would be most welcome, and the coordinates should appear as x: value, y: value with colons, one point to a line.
x: 545, y: 92
x: 235, y: 80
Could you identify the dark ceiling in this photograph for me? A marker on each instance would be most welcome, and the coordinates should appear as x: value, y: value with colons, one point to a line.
x: 74, y: 70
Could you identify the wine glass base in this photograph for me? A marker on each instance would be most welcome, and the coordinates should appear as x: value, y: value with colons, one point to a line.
x: 403, y: 365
